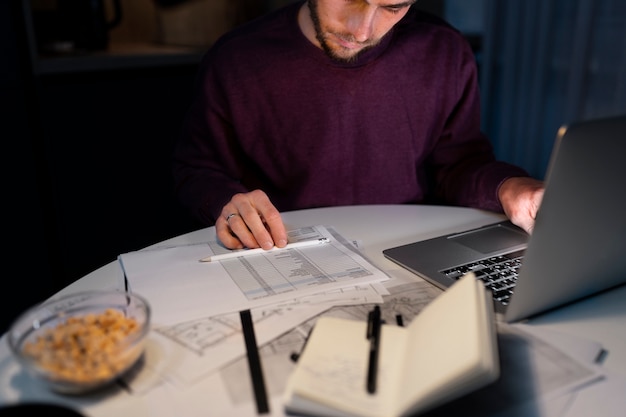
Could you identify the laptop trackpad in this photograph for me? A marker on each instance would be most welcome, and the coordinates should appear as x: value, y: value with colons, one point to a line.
x: 491, y: 239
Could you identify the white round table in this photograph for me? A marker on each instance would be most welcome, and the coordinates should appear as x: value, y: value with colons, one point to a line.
x: 601, y: 318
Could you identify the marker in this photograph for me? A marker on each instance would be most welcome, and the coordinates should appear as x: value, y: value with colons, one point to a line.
x: 374, y: 323
x: 257, y: 251
x: 254, y: 362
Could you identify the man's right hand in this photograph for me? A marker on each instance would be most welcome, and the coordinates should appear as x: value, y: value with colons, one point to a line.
x: 250, y: 220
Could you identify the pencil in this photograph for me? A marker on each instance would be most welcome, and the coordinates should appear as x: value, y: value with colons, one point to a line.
x: 256, y: 251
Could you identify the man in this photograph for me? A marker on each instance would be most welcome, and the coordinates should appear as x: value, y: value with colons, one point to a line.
x: 339, y: 102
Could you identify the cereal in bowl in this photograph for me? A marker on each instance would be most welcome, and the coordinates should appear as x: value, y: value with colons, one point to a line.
x: 84, y: 348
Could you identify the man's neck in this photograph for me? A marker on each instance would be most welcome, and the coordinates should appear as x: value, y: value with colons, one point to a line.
x: 306, y: 24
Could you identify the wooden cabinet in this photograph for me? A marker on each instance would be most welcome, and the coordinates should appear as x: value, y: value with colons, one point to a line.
x: 109, y: 122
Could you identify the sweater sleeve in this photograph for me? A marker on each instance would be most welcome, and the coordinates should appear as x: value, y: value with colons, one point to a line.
x: 204, y: 168
x: 462, y: 166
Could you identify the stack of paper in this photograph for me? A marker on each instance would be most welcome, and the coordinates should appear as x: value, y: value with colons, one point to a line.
x: 180, y: 287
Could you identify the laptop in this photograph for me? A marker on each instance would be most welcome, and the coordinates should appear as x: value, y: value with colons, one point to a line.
x: 577, y: 247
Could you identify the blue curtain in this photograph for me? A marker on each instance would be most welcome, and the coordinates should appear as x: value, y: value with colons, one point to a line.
x: 546, y: 63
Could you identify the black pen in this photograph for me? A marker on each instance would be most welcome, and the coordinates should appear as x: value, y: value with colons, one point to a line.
x: 374, y: 323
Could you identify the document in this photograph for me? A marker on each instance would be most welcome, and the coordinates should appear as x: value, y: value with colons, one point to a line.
x: 524, y: 357
x: 180, y: 288
x: 447, y: 351
x: 605, y: 398
x: 186, y: 352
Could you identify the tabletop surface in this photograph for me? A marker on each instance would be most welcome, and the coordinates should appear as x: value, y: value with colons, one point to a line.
x: 601, y: 318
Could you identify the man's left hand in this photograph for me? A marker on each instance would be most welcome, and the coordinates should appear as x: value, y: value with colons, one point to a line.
x: 520, y: 198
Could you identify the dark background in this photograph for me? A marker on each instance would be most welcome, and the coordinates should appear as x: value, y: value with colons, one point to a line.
x: 86, y: 163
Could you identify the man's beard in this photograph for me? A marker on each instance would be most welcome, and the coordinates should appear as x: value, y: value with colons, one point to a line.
x: 319, y: 35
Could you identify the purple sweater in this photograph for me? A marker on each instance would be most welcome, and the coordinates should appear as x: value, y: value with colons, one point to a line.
x: 400, y: 125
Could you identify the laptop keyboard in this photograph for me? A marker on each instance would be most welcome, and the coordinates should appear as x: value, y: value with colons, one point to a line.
x: 498, y: 273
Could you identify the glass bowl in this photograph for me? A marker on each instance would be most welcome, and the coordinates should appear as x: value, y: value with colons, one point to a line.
x: 83, y: 341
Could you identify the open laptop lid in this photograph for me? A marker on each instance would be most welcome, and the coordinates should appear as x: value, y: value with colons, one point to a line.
x: 578, y: 246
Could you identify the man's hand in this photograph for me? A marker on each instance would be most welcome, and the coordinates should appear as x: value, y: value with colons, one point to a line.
x: 520, y: 198
x: 250, y: 220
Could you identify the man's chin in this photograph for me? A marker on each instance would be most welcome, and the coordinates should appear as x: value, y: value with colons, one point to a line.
x: 347, y: 56
x: 344, y: 57
x: 340, y: 53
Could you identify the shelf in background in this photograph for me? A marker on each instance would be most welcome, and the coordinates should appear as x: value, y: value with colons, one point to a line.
x: 118, y: 56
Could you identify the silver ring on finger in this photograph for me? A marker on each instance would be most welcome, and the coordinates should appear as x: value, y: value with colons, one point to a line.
x: 230, y: 215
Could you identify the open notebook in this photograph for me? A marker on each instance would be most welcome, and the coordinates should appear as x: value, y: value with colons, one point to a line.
x: 578, y: 245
